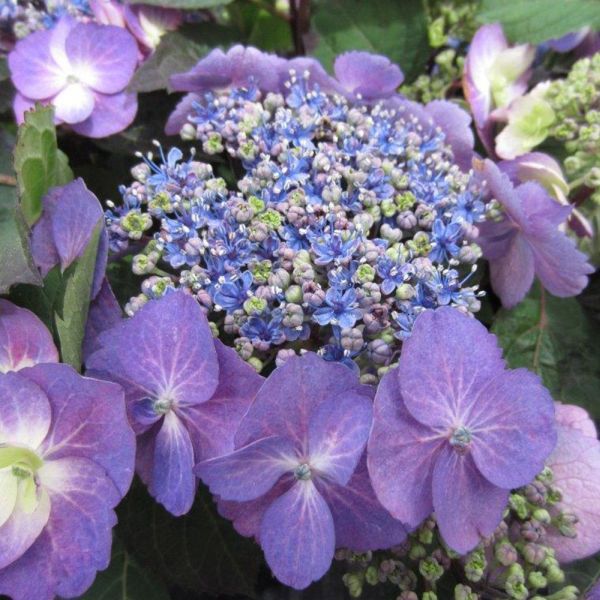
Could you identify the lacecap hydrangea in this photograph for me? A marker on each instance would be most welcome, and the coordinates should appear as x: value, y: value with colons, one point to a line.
x: 354, y: 210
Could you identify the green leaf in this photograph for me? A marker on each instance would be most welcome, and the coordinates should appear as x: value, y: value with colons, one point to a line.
x: 554, y: 338
x: 39, y: 163
x: 125, y: 580
x: 396, y: 29
x: 582, y: 573
x: 261, y: 25
x: 536, y: 21
x: 200, y: 551
x: 73, y: 300
x: 177, y: 52
x: 16, y: 263
x: 184, y: 4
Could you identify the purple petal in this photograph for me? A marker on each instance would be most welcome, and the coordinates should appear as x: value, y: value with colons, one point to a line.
x: 104, y: 313
x: 34, y: 72
x: 173, y: 483
x: 361, y: 523
x: 74, y: 103
x: 249, y: 472
x: 103, y: 57
x: 303, y: 66
x: 25, y: 413
x: 574, y: 417
x: 438, y: 370
x: 111, y: 115
x: 21, y: 530
x: 79, y: 536
x: 297, y: 536
x: 285, y: 402
x: 252, y: 65
x: 179, y: 117
x: 401, y: 454
x: 512, y: 419
x: 89, y: 421
x: 369, y: 75
x: 337, y: 435
x: 541, y: 209
x: 24, y: 339
x: 212, y: 72
x: 166, y: 350
x: 467, y: 506
x: 212, y: 425
x: 456, y: 125
x: 575, y: 465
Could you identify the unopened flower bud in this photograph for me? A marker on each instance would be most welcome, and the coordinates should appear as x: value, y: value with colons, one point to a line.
x: 505, y: 553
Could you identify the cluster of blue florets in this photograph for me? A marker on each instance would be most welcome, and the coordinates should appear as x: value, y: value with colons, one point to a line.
x: 348, y: 220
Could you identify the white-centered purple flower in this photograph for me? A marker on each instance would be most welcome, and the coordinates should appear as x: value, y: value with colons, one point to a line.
x: 495, y: 74
x: 70, y: 216
x: 575, y: 465
x: 186, y: 392
x: 80, y: 68
x: 527, y: 242
x: 296, y: 480
x: 66, y: 460
x: 454, y: 430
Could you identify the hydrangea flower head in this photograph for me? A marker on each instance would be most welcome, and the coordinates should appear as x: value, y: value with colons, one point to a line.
x: 80, y: 68
x: 527, y: 242
x: 66, y: 460
x: 296, y: 480
x: 185, y: 392
x: 454, y: 431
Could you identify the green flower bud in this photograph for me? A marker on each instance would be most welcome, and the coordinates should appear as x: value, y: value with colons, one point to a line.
x: 475, y: 565
x: 388, y: 208
x: 430, y: 569
x: 505, y: 553
x: 568, y: 593
x: 463, y: 592
x: 417, y: 551
x: 405, y: 201
x: 256, y: 204
x: 254, y: 305
x: 354, y: 583
x: 429, y: 596
x: 261, y: 271
x: 365, y: 273
x: 405, y: 291
x: 271, y: 218
x: 536, y: 580
x: 160, y: 203
x: 372, y: 575
x: 541, y: 515
x: 255, y: 363
x: 294, y: 294
x: 437, y: 37
x: 519, y: 504
x: 214, y: 144
x: 135, y: 223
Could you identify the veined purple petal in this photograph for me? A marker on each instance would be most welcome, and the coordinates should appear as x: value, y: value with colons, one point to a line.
x: 34, y: 72
x: 437, y: 386
x: 24, y: 339
x: 103, y: 57
x: 104, y: 313
x: 574, y: 417
x: 212, y: 425
x: 512, y: 420
x: 74, y: 103
x: 337, y: 435
x: 179, y: 117
x: 467, y: 506
x: 173, y: 483
x: 367, y: 75
x: 297, y: 536
x: 25, y: 413
x: 285, y: 402
x: 400, y: 455
x: 361, y: 523
x: 88, y: 421
x: 21, y: 530
x: 112, y: 113
x: 249, y: 472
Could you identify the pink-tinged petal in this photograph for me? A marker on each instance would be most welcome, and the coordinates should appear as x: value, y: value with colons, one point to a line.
x: 575, y: 464
x: 34, y: 71
x: 77, y: 541
x: 297, y: 536
x: 337, y: 435
x: 173, y: 483
x: 249, y: 472
x: 166, y: 351
x: 400, y: 455
x: 247, y: 516
x: 74, y: 103
x: 212, y: 425
x: 108, y: 12
x: 102, y: 57
x: 512, y: 274
x: 512, y: 421
x: 149, y: 23
x: 574, y: 417
x: 287, y: 399
x: 179, y: 117
x: 467, y: 506
x: 104, y: 313
x: 456, y: 125
x: 21, y: 530
x: 212, y: 72
x: 437, y: 386
x: 369, y: 76
x: 21, y: 105
x: 24, y: 339
x: 25, y: 412
x: 111, y: 115
x: 9, y: 490
x: 89, y: 421
x: 361, y: 523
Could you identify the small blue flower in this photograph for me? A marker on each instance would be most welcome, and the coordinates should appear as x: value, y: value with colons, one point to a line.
x: 342, y: 309
x: 264, y: 330
x: 232, y: 294
x: 445, y: 238
x: 393, y: 273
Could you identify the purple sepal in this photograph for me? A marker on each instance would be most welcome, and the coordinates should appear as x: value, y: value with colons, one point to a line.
x: 179, y: 117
